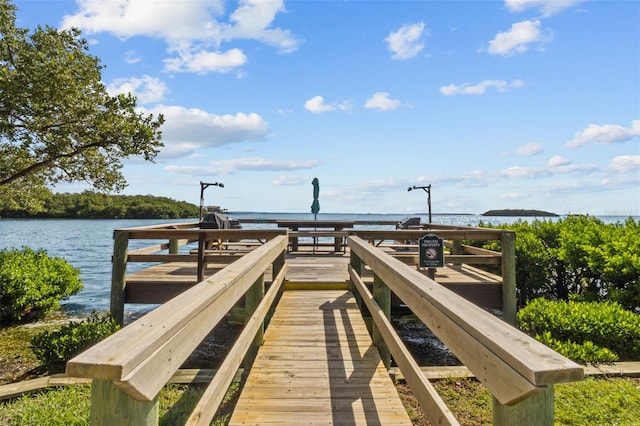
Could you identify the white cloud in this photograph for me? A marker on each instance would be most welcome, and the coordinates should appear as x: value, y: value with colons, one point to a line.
x: 165, y: 20
x: 406, y: 42
x: 480, y: 88
x: 132, y: 57
x: 192, y: 29
x: 555, y: 166
x: 526, y: 172
x: 624, y: 164
x: 252, y: 20
x: 230, y: 166
x: 606, y: 134
x: 518, y: 38
x: 528, y: 149
x: 547, y: 7
x: 291, y: 180
x: 147, y: 89
x: 188, y: 129
x: 557, y: 161
x: 203, y: 61
x: 381, y: 101
x: 316, y: 105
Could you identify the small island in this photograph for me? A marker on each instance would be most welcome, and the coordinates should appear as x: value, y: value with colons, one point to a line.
x: 519, y: 212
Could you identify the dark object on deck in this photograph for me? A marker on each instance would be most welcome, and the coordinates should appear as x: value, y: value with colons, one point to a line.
x: 408, y: 222
x: 219, y: 221
x: 315, y: 206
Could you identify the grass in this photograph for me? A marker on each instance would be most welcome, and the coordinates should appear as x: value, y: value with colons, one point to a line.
x: 610, y: 401
x: 603, y: 401
x: 594, y: 401
x: 17, y: 360
x: 71, y: 405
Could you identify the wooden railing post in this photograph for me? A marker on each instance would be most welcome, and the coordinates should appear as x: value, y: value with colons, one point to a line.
x: 356, y: 264
x: 201, y: 254
x: 537, y: 410
x: 118, y: 274
x: 174, y: 246
x: 456, y: 247
x: 382, y: 296
x: 252, y: 299
x: 112, y: 406
x: 278, y: 264
x: 509, y: 298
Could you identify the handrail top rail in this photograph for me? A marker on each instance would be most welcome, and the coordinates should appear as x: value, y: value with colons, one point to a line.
x: 533, y: 360
x: 120, y: 354
x: 151, y: 234
x: 415, y: 234
x: 177, y: 225
x: 293, y: 222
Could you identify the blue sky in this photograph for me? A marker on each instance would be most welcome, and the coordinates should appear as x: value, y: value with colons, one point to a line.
x: 497, y: 104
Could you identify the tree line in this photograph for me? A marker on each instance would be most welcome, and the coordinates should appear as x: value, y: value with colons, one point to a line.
x: 95, y: 205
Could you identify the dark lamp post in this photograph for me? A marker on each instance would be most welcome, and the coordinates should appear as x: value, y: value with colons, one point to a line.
x: 204, y: 186
x: 426, y: 189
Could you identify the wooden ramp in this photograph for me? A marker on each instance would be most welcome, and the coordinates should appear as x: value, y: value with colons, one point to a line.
x: 318, y: 365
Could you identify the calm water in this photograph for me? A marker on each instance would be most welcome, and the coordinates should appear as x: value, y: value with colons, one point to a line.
x: 88, y: 244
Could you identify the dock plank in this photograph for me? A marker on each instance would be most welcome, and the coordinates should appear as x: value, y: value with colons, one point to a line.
x: 318, y: 365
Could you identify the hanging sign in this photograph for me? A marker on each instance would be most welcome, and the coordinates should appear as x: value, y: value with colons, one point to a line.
x: 431, y: 251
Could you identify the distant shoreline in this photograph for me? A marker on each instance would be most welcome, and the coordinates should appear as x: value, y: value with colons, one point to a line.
x: 520, y: 212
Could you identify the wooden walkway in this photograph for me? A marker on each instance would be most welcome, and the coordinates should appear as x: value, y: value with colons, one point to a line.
x: 318, y: 365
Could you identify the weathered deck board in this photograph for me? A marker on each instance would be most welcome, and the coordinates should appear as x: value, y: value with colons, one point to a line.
x: 318, y: 365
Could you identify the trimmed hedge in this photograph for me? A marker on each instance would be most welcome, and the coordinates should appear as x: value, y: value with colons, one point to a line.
x: 594, y: 325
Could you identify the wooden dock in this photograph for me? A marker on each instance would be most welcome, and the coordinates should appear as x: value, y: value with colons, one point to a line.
x: 309, y: 355
x: 318, y: 365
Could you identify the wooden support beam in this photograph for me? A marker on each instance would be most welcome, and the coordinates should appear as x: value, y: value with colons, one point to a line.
x: 536, y: 410
x: 118, y: 274
x: 201, y: 260
x: 252, y: 299
x: 111, y: 406
x: 509, y: 298
x: 382, y: 296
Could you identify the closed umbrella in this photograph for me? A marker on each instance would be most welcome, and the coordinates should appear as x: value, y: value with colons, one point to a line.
x: 315, y: 206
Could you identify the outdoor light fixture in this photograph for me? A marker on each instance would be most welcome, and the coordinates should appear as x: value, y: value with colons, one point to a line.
x: 426, y: 189
x: 204, y: 186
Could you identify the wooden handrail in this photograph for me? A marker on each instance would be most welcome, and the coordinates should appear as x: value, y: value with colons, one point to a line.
x: 432, y: 404
x: 141, y: 357
x: 415, y: 234
x: 456, y: 259
x: 178, y: 225
x: 210, y: 234
x: 473, y: 250
x: 212, y: 397
x: 511, y: 364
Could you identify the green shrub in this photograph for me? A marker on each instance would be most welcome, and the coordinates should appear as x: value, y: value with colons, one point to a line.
x: 32, y: 283
x: 54, y: 348
x: 604, y: 324
x: 579, y: 255
x: 583, y: 353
